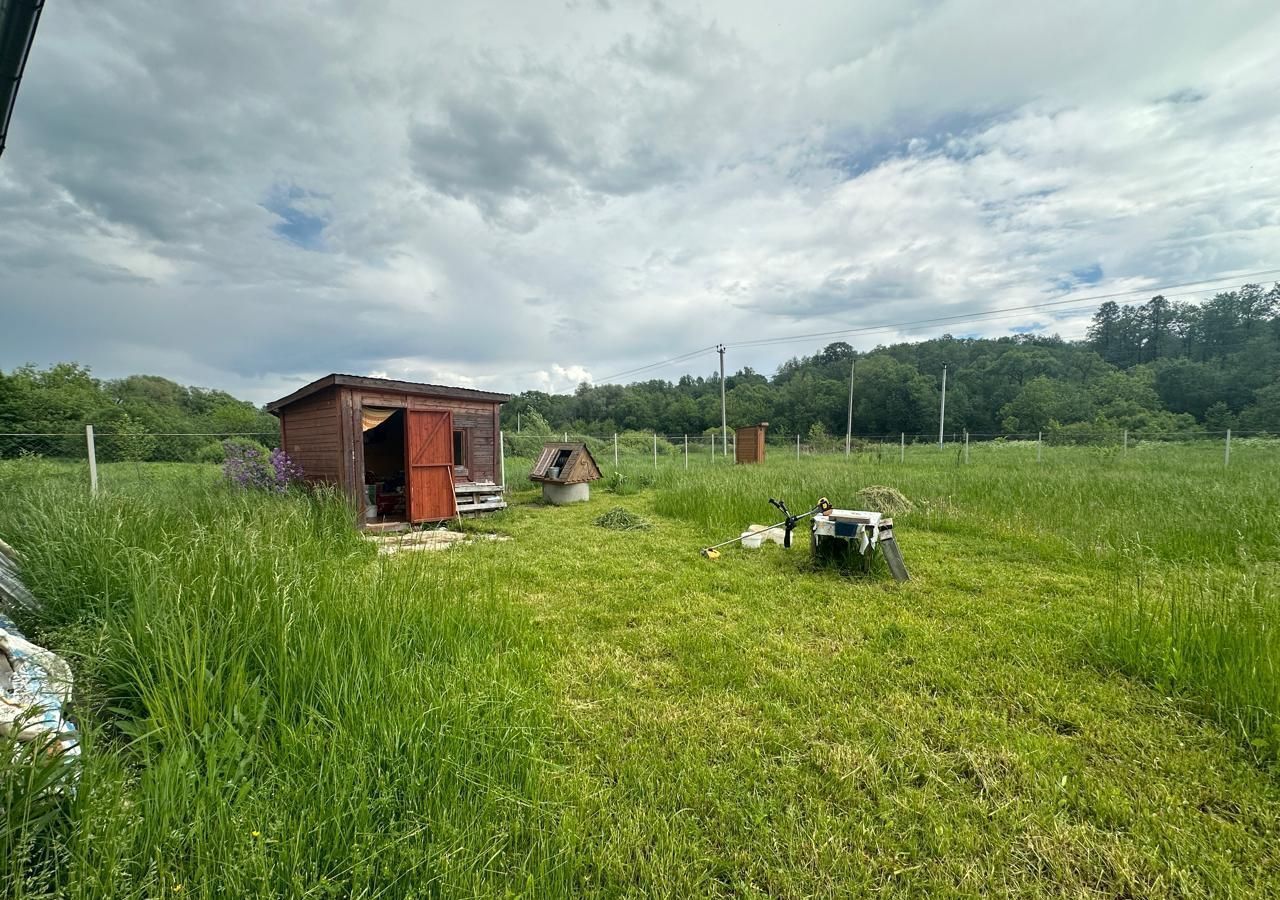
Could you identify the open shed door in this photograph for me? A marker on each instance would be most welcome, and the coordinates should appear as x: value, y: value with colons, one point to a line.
x: 429, y: 452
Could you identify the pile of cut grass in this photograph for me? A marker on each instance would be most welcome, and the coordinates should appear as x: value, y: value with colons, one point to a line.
x: 884, y: 499
x: 621, y: 519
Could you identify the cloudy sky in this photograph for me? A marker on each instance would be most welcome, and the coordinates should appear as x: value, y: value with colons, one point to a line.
x: 517, y: 195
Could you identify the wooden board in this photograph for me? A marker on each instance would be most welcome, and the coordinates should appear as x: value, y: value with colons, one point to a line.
x: 429, y: 452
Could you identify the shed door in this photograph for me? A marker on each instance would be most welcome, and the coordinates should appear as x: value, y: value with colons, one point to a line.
x: 429, y: 450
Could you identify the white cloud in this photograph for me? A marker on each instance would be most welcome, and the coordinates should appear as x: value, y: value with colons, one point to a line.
x: 519, y: 195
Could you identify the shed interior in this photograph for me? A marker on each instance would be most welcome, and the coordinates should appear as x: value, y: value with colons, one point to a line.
x: 384, y: 462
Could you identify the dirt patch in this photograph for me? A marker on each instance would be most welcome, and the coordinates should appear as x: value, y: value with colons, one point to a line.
x: 436, y: 539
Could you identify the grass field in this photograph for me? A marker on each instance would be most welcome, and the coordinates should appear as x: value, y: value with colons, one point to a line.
x: 1076, y: 695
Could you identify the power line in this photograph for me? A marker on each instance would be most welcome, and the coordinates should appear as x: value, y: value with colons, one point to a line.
x: 1062, y: 305
x: 961, y: 318
x: 658, y: 365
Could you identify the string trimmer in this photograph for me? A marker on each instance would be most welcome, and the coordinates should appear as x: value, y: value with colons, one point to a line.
x: 789, y: 523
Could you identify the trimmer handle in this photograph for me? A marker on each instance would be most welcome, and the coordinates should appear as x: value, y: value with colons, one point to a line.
x: 782, y: 507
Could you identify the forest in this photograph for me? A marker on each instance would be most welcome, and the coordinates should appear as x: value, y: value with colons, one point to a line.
x: 1158, y: 367
x: 147, y: 417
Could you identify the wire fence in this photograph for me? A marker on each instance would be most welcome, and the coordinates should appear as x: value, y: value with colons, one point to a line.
x: 659, y: 447
x: 96, y: 458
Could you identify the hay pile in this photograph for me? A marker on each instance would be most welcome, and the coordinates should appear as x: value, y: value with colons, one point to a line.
x: 619, y: 519
x: 883, y: 499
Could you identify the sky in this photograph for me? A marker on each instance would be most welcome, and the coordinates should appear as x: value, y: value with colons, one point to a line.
x: 526, y: 195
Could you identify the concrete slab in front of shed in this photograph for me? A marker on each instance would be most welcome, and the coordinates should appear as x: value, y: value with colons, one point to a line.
x: 434, y: 539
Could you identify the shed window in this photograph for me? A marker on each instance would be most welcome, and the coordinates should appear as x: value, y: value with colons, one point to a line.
x: 460, y: 447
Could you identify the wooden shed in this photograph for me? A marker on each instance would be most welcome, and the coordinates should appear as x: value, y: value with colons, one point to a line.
x: 400, y: 450
x: 748, y: 443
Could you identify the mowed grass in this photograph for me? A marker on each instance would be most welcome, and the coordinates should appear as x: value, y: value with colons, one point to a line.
x: 274, y: 711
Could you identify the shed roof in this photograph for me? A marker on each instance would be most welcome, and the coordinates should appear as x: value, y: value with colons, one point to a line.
x: 387, y: 384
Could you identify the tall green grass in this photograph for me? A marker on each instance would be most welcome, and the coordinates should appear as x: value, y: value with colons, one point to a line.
x: 1213, y: 640
x: 271, y: 710
x: 1169, y: 512
x: 1158, y: 503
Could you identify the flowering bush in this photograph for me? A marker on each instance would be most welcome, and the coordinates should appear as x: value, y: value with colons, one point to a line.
x: 252, y: 468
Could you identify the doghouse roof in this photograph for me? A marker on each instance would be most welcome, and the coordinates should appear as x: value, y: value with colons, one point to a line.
x: 578, y: 467
x: 387, y: 384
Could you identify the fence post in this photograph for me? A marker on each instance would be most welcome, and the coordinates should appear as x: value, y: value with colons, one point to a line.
x: 566, y: 437
x: 686, y: 451
x: 615, y: 450
x: 902, y: 444
x: 1124, y: 451
x: 1039, y: 444
x: 93, y: 460
x: 735, y: 446
x: 797, y: 446
x: 713, y: 446
x: 966, y: 446
x: 655, y: 449
x: 502, y: 460
x: 1226, y: 461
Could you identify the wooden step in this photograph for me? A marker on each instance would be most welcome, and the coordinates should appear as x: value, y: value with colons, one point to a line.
x: 477, y: 487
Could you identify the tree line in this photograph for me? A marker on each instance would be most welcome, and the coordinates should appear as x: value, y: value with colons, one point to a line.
x: 1161, y: 366
x: 141, y: 417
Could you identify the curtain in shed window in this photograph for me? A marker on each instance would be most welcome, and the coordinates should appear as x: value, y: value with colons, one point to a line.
x: 372, y: 416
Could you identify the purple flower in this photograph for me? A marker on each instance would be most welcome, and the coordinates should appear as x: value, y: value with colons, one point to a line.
x: 246, y: 468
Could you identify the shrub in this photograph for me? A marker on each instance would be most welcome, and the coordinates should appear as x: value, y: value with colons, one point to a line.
x: 253, y: 469
x: 216, y: 451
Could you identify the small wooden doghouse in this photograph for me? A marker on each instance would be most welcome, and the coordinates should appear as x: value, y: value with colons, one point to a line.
x: 400, y: 450
x: 566, y: 471
x: 748, y: 443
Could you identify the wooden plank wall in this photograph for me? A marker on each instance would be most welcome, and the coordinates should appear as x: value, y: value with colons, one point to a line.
x: 480, y: 418
x: 311, y: 436
x: 749, y: 444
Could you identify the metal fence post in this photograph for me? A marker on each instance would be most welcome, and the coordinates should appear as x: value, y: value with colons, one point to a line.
x: 1226, y: 460
x: 797, y: 446
x: 93, y: 460
x: 566, y: 437
x: 686, y: 451
x: 713, y: 446
x: 966, y: 446
x: 902, y: 444
x: 655, y: 449
x: 1039, y: 444
x: 615, y: 449
x: 1124, y: 451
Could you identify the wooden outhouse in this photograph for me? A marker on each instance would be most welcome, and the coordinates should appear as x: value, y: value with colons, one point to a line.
x: 400, y: 450
x: 748, y: 443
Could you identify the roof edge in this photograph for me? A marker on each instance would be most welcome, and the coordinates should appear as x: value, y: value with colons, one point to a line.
x: 415, y: 388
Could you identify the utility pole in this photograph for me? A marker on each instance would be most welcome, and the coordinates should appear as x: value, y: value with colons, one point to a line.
x: 724, y: 418
x: 942, y: 412
x: 848, y: 431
